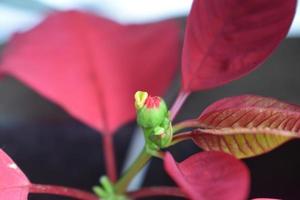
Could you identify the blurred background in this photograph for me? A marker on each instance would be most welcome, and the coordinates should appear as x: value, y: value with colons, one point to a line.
x: 52, y: 147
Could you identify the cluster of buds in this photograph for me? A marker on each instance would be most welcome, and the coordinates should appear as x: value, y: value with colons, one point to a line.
x: 153, y: 118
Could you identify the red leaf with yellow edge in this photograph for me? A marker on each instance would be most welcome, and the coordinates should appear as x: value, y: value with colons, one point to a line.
x: 14, y: 185
x: 247, y: 125
x: 92, y: 66
x: 210, y: 176
x: 225, y: 39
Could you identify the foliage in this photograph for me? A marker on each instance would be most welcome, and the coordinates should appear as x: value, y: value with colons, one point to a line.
x: 92, y: 67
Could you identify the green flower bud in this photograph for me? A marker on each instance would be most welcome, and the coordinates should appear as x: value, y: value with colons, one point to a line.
x: 162, y: 137
x: 153, y: 117
x: 151, y: 111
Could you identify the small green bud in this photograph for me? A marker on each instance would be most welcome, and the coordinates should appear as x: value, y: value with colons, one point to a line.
x: 151, y: 111
x: 162, y: 137
x: 153, y: 117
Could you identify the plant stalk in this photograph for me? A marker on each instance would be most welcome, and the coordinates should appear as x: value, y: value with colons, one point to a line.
x: 109, y: 156
x: 180, y: 99
x: 181, y: 137
x: 192, y: 123
x: 129, y: 174
x: 62, y: 191
x: 156, y: 191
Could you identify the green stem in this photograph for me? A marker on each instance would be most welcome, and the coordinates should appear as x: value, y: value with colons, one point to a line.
x: 181, y: 137
x: 137, y: 165
x: 192, y: 123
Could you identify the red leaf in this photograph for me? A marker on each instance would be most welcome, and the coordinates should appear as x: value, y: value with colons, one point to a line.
x: 247, y: 125
x: 210, y: 176
x: 226, y: 39
x: 14, y: 185
x: 92, y: 66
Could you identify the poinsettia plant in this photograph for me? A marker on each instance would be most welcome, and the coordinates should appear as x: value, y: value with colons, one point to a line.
x: 104, y: 74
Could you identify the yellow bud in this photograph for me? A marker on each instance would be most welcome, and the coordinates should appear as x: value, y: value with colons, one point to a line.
x: 140, y: 98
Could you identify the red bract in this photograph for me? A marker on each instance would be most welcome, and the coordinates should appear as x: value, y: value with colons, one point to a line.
x: 226, y: 39
x: 14, y: 185
x: 92, y: 66
x: 210, y: 176
x: 247, y: 125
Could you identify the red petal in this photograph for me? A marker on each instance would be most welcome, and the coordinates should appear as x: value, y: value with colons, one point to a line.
x: 226, y: 39
x: 92, y: 66
x: 210, y: 176
x: 14, y: 185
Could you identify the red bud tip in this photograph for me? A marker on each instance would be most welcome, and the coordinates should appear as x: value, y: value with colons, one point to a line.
x: 152, y: 102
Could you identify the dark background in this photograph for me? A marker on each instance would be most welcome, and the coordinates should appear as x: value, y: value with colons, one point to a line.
x: 52, y: 148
